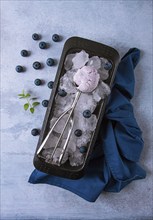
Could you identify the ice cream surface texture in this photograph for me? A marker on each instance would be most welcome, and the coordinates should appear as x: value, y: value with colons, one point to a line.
x: 86, y: 78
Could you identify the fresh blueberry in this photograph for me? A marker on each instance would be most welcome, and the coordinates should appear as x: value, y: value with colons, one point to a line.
x: 37, y: 82
x: 24, y: 53
x: 19, y: 69
x: 35, y: 132
x: 50, y: 84
x: 108, y: 66
x: 78, y: 132
x: 45, y: 103
x: 62, y: 92
x: 50, y: 62
x: 36, y: 65
x: 35, y: 36
x: 83, y: 149
x: 87, y: 113
x: 42, y: 45
x: 55, y: 37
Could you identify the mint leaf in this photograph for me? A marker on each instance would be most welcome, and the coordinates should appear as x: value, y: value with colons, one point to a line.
x: 34, y: 98
x: 27, y: 95
x: 35, y: 104
x: 26, y: 106
x: 20, y: 95
x: 32, y: 110
x: 31, y: 104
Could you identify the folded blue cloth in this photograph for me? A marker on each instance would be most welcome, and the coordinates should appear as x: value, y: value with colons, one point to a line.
x: 114, y: 162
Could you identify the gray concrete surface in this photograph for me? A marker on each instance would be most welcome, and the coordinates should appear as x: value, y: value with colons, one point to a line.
x: 121, y: 24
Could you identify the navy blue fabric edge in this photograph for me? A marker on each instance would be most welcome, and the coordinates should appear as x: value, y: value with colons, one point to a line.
x: 54, y: 183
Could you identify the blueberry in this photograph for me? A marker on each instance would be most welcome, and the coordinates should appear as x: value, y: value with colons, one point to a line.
x: 42, y: 45
x: 83, y: 149
x: 55, y: 37
x: 45, y: 103
x: 35, y: 132
x: 87, y: 113
x: 50, y: 62
x: 62, y: 92
x: 50, y: 84
x: 36, y: 65
x: 107, y: 66
x: 37, y: 82
x: 19, y: 69
x: 24, y: 53
x: 35, y: 36
x: 78, y: 132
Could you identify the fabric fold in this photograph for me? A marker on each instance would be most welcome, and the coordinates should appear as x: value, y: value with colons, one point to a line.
x: 114, y: 161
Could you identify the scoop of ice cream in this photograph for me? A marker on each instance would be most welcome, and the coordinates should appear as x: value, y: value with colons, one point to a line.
x: 86, y: 78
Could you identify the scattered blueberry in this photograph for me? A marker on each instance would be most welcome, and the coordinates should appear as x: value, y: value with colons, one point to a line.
x: 45, y: 103
x: 87, y: 113
x: 35, y: 36
x: 24, y: 53
x: 42, y: 45
x: 37, y: 82
x: 50, y: 62
x: 19, y: 69
x: 83, y: 149
x: 35, y: 132
x: 78, y: 132
x: 62, y: 92
x: 50, y: 84
x: 55, y: 37
x: 36, y: 65
x: 108, y: 66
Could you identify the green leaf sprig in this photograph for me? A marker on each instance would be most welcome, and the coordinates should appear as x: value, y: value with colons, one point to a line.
x: 30, y: 104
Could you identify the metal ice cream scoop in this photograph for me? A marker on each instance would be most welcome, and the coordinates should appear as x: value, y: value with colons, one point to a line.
x: 87, y: 80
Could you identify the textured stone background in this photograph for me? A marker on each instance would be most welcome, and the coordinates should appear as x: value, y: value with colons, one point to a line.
x: 121, y: 24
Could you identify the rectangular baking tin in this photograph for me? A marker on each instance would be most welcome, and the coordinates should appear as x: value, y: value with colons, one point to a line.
x: 73, y: 45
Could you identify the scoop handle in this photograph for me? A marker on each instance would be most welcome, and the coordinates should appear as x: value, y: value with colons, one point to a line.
x: 67, y: 121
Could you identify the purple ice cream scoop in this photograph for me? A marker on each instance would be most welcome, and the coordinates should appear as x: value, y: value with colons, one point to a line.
x: 86, y: 79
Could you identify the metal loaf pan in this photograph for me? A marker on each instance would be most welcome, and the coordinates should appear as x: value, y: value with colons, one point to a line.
x: 72, y: 45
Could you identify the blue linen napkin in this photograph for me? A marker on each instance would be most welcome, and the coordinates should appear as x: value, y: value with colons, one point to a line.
x: 114, y: 162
